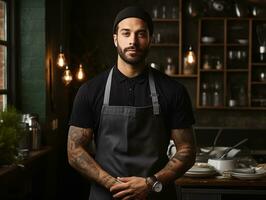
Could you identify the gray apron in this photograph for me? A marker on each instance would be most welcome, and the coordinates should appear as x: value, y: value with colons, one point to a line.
x: 131, y: 141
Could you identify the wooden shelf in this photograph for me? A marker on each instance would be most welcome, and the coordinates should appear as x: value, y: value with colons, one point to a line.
x: 164, y: 45
x: 237, y: 70
x: 232, y: 108
x: 211, y: 70
x: 164, y: 20
x: 236, y: 45
x: 183, y: 76
x: 235, y: 74
x: 259, y: 64
x: 258, y: 82
x: 212, y: 44
x: 212, y: 18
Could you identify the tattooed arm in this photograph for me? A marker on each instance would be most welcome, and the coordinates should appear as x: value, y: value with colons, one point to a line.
x: 184, y: 157
x: 82, y: 161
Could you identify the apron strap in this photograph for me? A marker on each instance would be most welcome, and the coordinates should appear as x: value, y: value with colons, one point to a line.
x: 154, y: 95
x: 108, y: 88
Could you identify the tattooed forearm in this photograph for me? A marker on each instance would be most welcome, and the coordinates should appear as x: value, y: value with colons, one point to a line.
x: 81, y: 160
x: 184, y: 157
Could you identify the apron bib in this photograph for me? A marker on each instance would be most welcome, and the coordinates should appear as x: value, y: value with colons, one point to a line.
x: 131, y: 141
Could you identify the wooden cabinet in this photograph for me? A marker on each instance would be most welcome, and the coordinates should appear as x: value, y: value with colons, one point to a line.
x: 30, y: 179
x: 166, y: 48
x: 230, y: 71
x: 220, y: 189
x: 197, y: 193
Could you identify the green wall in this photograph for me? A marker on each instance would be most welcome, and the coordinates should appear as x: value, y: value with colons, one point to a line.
x: 32, y: 57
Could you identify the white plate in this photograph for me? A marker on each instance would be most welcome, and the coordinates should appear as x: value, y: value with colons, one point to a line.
x: 197, y: 174
x: 245, y: 176
x: 201, y: 169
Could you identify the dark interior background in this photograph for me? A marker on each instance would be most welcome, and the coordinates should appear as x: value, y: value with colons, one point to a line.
x: 87, y: 39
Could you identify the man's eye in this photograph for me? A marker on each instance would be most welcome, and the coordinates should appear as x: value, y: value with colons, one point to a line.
x: 142, y: 34
x: 125, y: 34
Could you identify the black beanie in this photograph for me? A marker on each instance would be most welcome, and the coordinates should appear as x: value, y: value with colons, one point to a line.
x: 134, y: 11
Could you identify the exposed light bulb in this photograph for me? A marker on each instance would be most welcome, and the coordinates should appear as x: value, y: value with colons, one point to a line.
x: 61, y: 61
x: 67, y: 76
x: 81, y: 73
x: 189, y: 62
x: 191, y: 57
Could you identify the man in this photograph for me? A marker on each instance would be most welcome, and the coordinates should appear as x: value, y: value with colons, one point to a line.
x: 131, y: 111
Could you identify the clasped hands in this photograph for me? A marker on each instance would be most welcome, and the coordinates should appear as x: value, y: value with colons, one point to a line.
x: 126, y: 188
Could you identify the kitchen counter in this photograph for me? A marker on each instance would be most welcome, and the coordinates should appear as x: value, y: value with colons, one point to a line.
x: 214, y: 181
x: 214, y: 188
x: 33, y: 156
x: 27, y: 180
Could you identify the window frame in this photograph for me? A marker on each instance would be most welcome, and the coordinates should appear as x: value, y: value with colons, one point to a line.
x: 11, y: 52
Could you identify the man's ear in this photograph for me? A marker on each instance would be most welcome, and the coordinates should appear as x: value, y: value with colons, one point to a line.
x: 115, y: 39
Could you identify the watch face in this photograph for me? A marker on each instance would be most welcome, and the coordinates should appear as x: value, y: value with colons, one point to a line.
x: 157, y: 187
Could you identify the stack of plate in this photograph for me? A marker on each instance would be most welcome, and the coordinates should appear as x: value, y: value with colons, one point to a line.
x: 242, y: 174
x: 198, y: 171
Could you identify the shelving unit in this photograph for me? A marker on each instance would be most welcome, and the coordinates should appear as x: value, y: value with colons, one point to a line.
x: 167, y: 37
x: 237, y: 85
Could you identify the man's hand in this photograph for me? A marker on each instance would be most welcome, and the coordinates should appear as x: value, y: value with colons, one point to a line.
x: 130, y: 188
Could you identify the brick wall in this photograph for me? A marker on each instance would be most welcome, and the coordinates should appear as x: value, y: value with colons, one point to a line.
x: 2, y: 54
x: 2, y: 20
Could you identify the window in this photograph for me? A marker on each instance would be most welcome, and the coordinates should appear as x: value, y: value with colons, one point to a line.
x: 5, y: 53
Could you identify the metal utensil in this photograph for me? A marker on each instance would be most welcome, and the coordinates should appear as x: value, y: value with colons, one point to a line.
x: 230, y: 148
x: 215, y: 141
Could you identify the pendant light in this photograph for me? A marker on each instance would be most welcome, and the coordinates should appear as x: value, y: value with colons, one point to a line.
x: 61, y: 60
x: 80, y: 75
x: 189, y: 62
x: 67, y: 76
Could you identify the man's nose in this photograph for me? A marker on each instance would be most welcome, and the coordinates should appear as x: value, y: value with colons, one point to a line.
x: 133, y: 39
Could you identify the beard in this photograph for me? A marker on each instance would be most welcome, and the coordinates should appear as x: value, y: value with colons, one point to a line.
x: 139, y: 57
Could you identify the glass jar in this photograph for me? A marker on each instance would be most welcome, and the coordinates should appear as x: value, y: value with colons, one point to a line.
x: 170, y: 67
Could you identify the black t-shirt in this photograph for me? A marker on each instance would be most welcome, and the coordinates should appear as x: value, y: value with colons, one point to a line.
x: 175, y: 104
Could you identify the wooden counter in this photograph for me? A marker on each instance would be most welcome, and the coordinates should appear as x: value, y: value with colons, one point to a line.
x: 29, y: 180
x: 220, y: 188
x: 216, y: 181
x: 33, y: 156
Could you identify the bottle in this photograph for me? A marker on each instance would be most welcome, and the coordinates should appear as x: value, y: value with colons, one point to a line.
x: 262, y: 53
x: 242, y: 97
x: 174, y: 13
x: 163, y: 12
x: 24, y: 142
x: 217, y: 95
x: 206, y: 63
x: 219, y: 65
x: 170, y: 67
x: 35, y: 130
x: 204, y: 94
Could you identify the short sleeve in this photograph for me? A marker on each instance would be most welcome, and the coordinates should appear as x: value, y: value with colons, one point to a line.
x: 181, y: 112
x: 82, y: 114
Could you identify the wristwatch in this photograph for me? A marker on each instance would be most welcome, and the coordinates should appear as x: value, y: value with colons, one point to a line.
x: 156, y: 186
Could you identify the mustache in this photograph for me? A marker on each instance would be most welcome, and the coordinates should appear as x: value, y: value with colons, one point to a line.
x: 132, y: 48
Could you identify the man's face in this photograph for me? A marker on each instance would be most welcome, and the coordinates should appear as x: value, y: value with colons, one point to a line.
x: 132, y: 40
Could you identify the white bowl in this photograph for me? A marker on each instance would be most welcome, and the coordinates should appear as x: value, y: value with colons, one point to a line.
x: 242, y: 41
x: 222, y: 165
x: 207, y: 39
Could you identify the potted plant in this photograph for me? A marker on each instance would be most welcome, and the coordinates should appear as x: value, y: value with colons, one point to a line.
x: 11, y: 132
